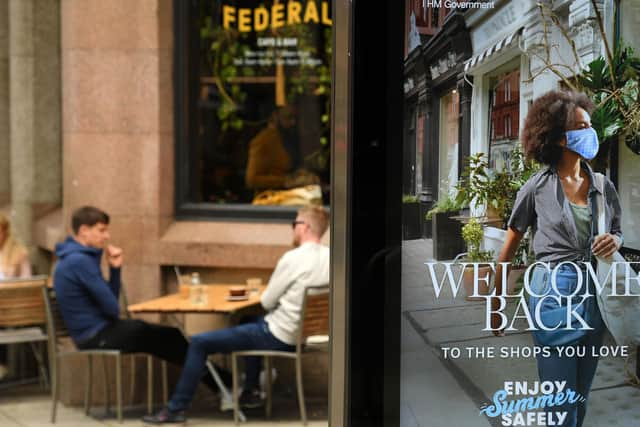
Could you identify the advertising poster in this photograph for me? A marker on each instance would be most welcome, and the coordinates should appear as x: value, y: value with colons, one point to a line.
x: 263, y: 102
x: 520, y: 255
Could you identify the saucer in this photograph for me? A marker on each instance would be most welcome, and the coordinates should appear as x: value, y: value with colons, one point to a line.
x: 237, y: 298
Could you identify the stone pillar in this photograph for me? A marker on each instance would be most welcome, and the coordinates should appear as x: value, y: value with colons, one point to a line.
x: 117, y: 57
x: 5, y: 151
x: 430, y: 160
x: 34, y: 106
x: 464, y: 130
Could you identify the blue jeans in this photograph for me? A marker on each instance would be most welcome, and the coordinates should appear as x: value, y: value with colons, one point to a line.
x: 577, y: 371
x: 247, y: 336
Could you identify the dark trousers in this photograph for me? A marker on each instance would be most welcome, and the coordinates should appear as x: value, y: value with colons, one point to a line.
x: 247, y: 336
x: 137, y: 336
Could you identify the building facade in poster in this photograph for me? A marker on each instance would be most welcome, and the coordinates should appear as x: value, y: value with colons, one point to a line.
x: 518, y: 51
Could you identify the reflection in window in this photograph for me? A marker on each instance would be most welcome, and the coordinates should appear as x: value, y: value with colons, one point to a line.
x: 504, y: 116
x: 259, y: 102
x: 448, y: 147
x: 429, y: 18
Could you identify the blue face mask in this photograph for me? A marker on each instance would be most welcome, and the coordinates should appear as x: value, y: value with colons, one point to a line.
x: 583, y: 142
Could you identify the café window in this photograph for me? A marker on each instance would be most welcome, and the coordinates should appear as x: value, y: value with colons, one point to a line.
x: 252, y: 100
x: 429, y: 18
x: 448, y: 144
x: 504, y: 116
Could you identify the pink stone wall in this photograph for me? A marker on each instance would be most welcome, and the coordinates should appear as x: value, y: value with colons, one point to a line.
x: 117, y: 123
x: 119, y: 145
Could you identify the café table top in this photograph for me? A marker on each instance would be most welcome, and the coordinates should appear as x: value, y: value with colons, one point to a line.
x: 217, y: 301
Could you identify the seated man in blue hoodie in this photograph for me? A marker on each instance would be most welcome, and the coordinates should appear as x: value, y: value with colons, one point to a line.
x: 89, y: 304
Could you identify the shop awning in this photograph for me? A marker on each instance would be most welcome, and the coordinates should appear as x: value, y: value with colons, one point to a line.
x: 511, y: 39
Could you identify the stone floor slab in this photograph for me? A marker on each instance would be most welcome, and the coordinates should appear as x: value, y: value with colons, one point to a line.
x: 433, y: 395
x: 616, y: 407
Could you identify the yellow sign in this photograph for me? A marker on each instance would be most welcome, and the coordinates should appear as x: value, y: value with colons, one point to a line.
x: 277, y: 16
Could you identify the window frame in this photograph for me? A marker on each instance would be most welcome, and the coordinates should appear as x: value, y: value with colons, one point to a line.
x: 183, y: 66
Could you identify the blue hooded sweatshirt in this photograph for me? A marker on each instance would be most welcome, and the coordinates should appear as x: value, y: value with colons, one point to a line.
x: 87, y: 302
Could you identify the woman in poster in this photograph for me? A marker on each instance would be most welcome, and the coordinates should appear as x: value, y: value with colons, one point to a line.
x: 557, y: 203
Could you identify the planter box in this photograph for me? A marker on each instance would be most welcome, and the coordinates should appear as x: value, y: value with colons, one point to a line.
x: 447, y: 236
x: 411, y: 221
x: 483, y: 287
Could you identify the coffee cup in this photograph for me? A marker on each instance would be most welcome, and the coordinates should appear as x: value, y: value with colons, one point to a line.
x: 254, y: 282
x: 238, y: 291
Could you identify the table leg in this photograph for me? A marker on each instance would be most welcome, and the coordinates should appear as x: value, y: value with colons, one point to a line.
x: 223, y: 389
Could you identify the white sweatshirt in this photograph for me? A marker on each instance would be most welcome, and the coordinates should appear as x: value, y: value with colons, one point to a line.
x: 299, y: 268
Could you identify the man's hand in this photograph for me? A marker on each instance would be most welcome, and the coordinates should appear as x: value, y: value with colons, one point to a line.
x: 114, y: 256
x: 605, y: 245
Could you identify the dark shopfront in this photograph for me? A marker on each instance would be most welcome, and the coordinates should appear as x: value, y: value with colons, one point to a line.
x: 437, y: 118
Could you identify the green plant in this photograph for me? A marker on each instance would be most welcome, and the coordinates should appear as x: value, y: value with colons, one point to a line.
x: 472, y: 235
x: 224, y: 51
x: 473, y: 184
x: 409, y: 198
x: 522, y: 256
x: 615, y: 92
x: 446, y: 204
x: 483, y: 186
x: 610, y: 80
x: 518, y: 172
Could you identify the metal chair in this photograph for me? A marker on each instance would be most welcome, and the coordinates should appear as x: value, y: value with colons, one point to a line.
x: 124, y: 303
x: 58, y: 332
x: 313, y: 335
x: 22, y: 314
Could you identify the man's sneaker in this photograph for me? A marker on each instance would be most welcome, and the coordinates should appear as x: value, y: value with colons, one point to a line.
x: 165, y: 416
x: 263, y: 379
x: 251, y: 399
x: 226, y: 404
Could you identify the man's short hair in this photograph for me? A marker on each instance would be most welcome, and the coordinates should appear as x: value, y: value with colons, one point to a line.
x: 89, y: 216
x: 317, y: 217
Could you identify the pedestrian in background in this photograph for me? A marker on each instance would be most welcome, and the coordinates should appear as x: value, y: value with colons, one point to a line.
x: 14, y: 262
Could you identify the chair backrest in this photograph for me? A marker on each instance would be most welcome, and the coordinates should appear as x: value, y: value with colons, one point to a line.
x: 314, y: 319
x: 124, y: 303
x: 56, y: 328
x: 21, y: 302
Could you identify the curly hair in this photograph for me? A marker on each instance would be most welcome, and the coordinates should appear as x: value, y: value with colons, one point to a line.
x: 548, y: 118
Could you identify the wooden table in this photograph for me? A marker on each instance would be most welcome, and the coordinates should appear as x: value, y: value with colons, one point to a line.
x: 217, y: 302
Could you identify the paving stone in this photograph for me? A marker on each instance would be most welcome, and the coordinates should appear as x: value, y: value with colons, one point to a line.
x: 433, y: 395
x: 489, y: 374
x: 407, y: 418
x: 453, y: 334
x: 450, y: 316
x: 617, y: 406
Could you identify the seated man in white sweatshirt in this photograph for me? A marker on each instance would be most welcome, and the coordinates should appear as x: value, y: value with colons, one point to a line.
x: 306, y: 265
